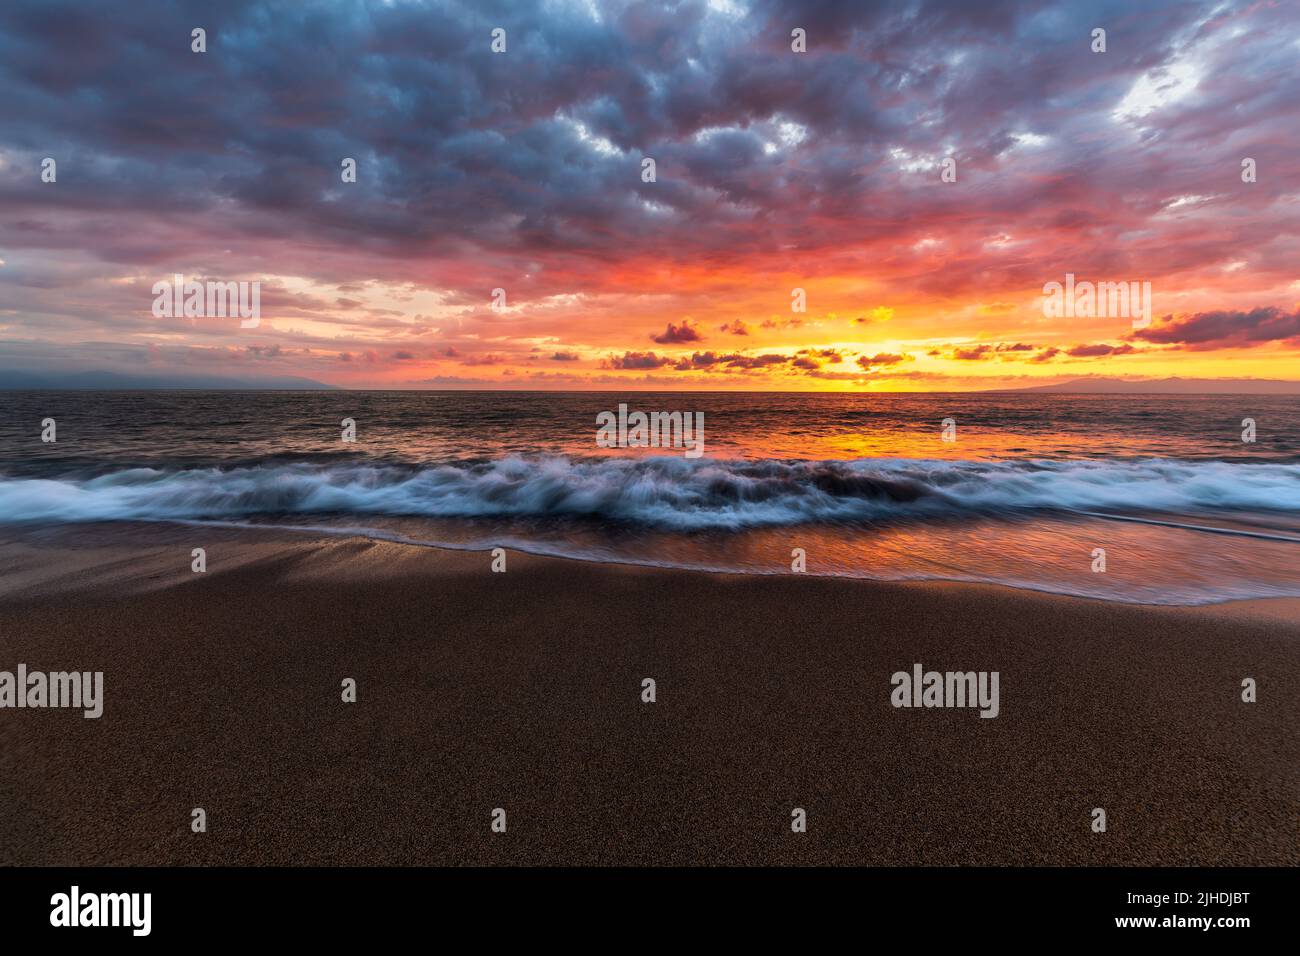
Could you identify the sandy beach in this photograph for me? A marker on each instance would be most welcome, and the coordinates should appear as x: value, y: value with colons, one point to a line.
x: 522, y: 691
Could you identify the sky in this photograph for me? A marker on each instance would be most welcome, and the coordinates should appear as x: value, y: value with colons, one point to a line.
x: 920, y: 171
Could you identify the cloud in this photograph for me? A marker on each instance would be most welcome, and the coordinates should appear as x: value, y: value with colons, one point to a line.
x: 675, y: 334
x: 1224, y: 329
x: 882, y: 358
x: 1004, y: 350
x: 755, y: 361
x: 1101, y: 348
x: 636, y: 360
x: 774, y: 170
x: 698, y: 360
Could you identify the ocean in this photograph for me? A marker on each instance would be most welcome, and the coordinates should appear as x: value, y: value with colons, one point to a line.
x: 1135, y: 498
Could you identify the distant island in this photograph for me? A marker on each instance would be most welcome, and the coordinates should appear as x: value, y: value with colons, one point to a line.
x: 12, y: 380
x: 1171, y: 386
x: 99, y: 380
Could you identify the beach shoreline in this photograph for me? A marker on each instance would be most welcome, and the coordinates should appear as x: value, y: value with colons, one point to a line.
x: 523, y: 691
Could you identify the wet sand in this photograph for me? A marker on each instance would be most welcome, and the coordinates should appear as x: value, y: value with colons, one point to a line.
x: 522, y: 690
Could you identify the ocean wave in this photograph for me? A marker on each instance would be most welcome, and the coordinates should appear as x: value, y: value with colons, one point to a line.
x: 662, y: 492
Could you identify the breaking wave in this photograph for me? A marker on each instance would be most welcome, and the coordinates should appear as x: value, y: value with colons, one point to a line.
x: 671, y: 494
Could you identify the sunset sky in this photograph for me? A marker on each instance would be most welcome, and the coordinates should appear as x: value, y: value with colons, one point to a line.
x: 775, y: 170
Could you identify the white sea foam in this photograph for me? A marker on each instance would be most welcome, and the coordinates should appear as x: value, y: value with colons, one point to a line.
x: 668, y: 493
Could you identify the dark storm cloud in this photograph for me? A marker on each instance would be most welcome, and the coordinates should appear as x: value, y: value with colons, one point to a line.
x: 476, y: 169
x: 503, y: 151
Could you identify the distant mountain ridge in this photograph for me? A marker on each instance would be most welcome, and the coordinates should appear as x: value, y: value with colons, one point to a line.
x: 1171, y: 386
x: 13, y: 380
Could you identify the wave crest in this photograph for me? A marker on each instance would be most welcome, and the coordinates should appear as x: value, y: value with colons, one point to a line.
x: 661, y: 492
